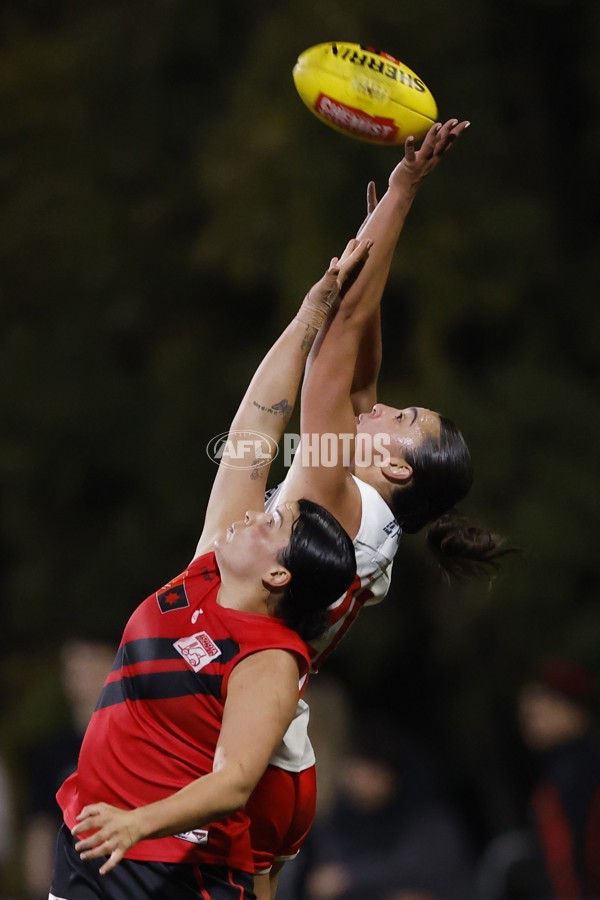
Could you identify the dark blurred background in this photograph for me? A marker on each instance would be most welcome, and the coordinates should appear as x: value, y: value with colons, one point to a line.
x: 167, y: 200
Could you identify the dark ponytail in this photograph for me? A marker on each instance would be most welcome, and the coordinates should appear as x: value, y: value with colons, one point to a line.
x: 442, y: 476
x: 461, y: 549
x: 320, y: 558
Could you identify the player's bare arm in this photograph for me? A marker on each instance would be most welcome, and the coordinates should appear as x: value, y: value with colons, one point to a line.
x: 268, y: 403
x: 385, y: 228
x: 384, y: 225
x: 261, y: 701
x: 370, y: 351
x: 331, y: 382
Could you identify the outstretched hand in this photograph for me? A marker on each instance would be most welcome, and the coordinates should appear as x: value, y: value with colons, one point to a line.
x: 372, y: 202
x: 417, y: 164
x: 341, y: 273
x: 115, y: 832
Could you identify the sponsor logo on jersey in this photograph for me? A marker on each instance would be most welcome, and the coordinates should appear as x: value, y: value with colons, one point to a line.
x: 173, y: 596
x: 392, y: 527
x: 198, y: 650
x: 199, y: 836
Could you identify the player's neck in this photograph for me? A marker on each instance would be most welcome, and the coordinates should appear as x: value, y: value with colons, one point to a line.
x: 373, y: 476
x: 237, y: 593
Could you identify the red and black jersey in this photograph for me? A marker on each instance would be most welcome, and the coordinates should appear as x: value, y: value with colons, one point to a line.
x: 566, y: 812
x: 157, y: 721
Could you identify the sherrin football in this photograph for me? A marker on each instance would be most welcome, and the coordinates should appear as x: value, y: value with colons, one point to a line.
x: 363, y: 93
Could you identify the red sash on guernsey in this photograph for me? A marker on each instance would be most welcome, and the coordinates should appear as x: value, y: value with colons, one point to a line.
x: 158, y: 718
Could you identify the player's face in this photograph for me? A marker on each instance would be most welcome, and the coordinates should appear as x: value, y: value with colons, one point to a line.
x: 546, y: 717
x: 253, y: 543
x: 406, y: 428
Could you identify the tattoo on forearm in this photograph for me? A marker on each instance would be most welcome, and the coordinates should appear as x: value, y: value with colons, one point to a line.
x: 258, y: 469
x: 282, y: 408
x: 307, y: 341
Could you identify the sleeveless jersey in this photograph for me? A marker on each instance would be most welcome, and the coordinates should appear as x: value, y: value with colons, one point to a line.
x: 158, y: 719
x: 375, y: 546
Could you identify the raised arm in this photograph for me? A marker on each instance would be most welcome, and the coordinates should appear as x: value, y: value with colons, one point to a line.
x: 267, y: 405
x: 261, y: 699
x: 331, y: 382
x: 368, y: 360
x: 405, y: 180
x: 386, y: 222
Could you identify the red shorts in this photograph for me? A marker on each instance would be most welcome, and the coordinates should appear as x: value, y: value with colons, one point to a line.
x: 281, y: 811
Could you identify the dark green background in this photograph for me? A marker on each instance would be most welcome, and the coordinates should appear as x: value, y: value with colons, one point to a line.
x: 167, y: 199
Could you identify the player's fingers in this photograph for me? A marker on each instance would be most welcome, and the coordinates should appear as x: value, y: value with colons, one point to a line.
x: 452, y: 137
x: 99, y: 835
x: 371, y: 197
x: 361, y: 250
x: 447, y: 134
x: 348, y: 249
x: 91, y: 810
x: 104, y: 848
x: 431, y: 136
x: 114, y: 859
x: 87, y: 843
x: 91, y: 822
x: 358, y: 255
x: 458, y: 129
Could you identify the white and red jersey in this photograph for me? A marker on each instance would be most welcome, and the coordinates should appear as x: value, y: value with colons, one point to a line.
x: 375, y: 546
x: 158, y: 719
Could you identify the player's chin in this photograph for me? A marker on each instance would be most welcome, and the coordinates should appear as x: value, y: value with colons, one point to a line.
x: 225, y: 538
x: 218, y: 546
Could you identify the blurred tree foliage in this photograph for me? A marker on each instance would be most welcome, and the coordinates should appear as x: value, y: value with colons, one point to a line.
x: 166, y: 201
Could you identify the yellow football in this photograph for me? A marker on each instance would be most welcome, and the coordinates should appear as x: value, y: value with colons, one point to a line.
x: 364, y: 93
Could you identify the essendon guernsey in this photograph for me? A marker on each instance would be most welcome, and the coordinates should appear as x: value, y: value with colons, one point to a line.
x: 158, y: 718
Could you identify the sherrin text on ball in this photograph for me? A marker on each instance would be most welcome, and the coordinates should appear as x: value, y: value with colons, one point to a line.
x: 363, y: 93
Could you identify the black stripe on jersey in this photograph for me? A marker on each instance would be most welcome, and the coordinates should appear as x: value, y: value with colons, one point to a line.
x: 146, y: 649
x: 159, y: 686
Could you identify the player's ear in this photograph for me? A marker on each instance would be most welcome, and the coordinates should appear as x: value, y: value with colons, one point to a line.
x: 398, y: 470
x: 277, y: 576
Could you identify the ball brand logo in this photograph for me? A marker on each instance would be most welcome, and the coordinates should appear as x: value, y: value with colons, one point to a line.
x: 355, y: 120
x: 242, y: 449
x: 370, y: 88
x: 381, y: 63
x: 198, y: 650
